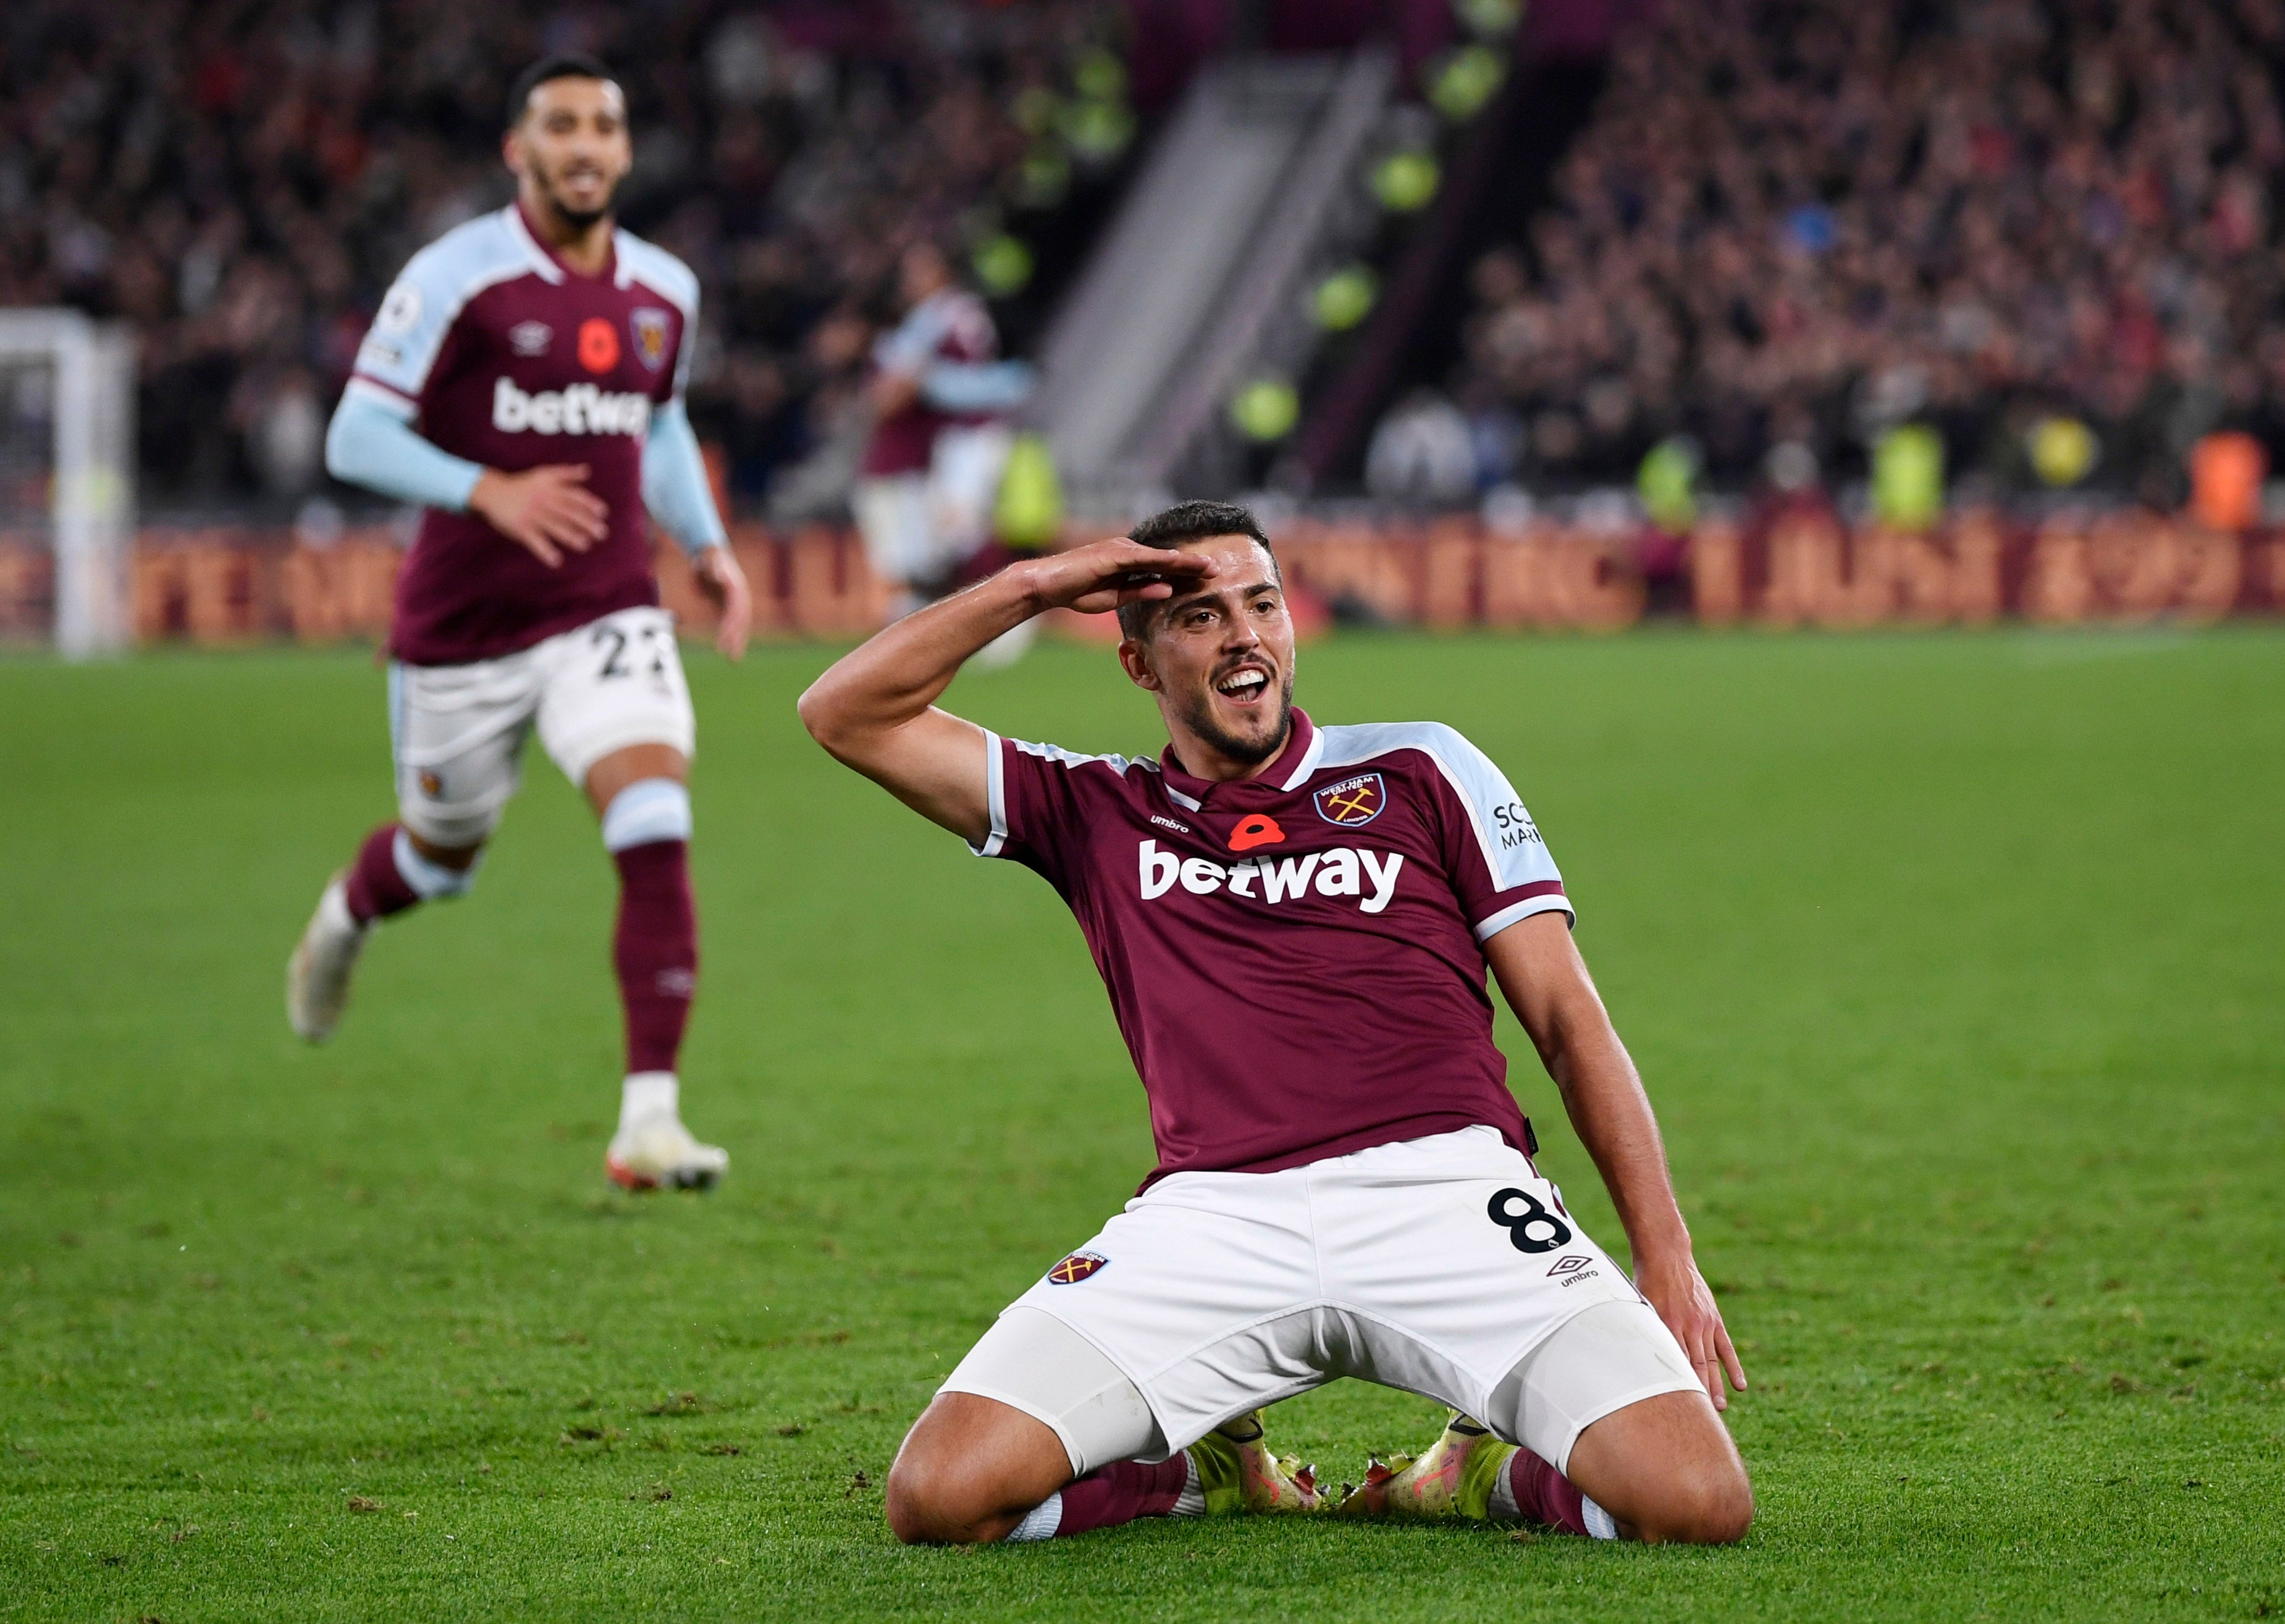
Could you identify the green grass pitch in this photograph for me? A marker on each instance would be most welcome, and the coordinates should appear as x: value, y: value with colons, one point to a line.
x: 1956, y: 965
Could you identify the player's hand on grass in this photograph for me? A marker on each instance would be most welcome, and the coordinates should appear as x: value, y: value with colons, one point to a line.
x: 545, y: 511
x: 1097, y: 578
x: 724, y: 586
x: 1686, y: 1302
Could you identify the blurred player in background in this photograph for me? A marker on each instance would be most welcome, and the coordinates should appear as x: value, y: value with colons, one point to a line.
x: 1295, y: 923
x: 523, y: 383
x: 940, y: 439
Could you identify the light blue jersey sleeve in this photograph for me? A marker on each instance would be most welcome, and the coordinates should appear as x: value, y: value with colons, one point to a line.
x: 674, y: 483
x: 417, y: 316
x: 976, y: 386
x: 675, y: 488
x: 372, y: 442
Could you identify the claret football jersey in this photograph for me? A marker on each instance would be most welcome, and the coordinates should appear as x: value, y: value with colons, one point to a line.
x: 1295, y: 961
x: 499, y: 352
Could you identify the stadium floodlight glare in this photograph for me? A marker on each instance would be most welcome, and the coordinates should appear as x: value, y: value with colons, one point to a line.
x: 1265, y: 409
x: 1344, y: 297
x: 92, y: 500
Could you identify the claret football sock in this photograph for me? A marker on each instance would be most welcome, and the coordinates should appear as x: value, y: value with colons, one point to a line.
x: 377, y: 886
x: 389, y: 875
x: 655, y: 951
x: 1116, y: 1494
x: 1230, y: 1469
x: 1530, y: 1489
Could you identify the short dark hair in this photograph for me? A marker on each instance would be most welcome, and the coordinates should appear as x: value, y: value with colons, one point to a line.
x: 1187, y: 522
x: 555, y: 65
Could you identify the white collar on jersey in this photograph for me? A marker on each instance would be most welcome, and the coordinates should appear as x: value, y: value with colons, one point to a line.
x: 1309, y: 762
x: 542, y: 261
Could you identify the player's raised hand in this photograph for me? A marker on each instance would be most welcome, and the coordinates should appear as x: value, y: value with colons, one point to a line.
x: 724, y: 582
x: 1686, y: 1302
x: 546, y: 511
x: 1097, y: 578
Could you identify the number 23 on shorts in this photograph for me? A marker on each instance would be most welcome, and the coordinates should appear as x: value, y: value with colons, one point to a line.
x: 613, y: 640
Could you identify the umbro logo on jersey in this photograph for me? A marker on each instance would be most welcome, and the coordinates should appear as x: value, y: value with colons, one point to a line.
x: 1352, y: 801
x: 1075, y: 1268
x: 531, y: 338
x: 583, y: 409
x: 1345, y: 871
x: 1564, y: 1266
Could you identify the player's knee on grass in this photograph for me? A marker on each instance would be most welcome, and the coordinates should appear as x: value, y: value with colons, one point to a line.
x: 932, y: 1501
x: 1701, y: 1503
x: 969, y: 1470
x: 935, y: 1496
x: 1666, y: 1470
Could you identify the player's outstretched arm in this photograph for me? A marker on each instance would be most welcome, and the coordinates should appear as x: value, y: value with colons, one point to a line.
x: 875, y: 707
x: 1546, y: 984
x: 542, y: 510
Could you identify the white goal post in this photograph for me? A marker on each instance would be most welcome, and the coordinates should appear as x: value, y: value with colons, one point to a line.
x: 93, y: 500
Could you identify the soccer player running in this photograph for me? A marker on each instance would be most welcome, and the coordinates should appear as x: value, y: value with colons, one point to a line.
x: 1295, y: 923
x: 939, y: 443
x: 523, y: 383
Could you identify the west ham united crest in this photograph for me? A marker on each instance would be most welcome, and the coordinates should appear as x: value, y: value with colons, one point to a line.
x: 649, y: 329
x: 1352, y: 801
x: 1075, y: 1268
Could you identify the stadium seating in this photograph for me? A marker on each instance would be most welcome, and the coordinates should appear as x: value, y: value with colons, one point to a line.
x: 242, y: 181
x: 2046, y: 230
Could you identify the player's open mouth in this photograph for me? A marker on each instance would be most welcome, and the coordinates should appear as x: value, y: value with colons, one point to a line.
x: 1243, y: 685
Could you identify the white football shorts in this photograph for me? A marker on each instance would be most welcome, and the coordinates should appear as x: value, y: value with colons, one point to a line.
x: 965, y: 467
x: 917, y: 527
x: 457, y: 731
x: 893, y: 517
x: 1437, y: 1266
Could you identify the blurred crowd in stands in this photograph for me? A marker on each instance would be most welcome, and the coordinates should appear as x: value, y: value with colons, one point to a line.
x: 2048, y: 232
x: 242, y: 178
x: 2045, y: 233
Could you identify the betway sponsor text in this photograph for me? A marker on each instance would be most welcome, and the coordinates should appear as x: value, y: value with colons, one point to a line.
x: 1345, y: 871
x: 582, y: 408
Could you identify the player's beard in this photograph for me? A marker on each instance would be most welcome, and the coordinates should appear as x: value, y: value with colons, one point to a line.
x: 578, y: 219
x: 1199, y: 716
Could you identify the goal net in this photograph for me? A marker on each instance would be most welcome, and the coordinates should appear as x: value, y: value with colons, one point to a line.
x: 66, y: 481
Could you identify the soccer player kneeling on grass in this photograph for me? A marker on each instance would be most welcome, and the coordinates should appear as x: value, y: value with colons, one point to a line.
x: 541, y: 354
x: 1295, y: 923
